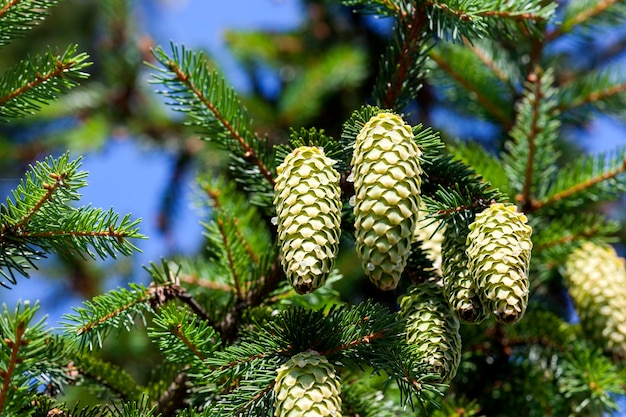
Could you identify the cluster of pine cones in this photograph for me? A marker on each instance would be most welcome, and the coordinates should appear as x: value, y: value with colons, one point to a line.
x: 484, y: 268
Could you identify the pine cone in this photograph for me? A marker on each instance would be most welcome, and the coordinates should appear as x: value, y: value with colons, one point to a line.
x: 458, y: 284
x: 387, y: 185
x: 596, y: 278
x: 498, y: 251
x: 308, y: 209
x: 307, y: 386
x: 433, y: 327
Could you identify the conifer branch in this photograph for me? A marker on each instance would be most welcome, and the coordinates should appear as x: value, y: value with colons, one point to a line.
x: 213, y: 106
x: 19, y: 16
x: 577, y: 188
x: 7, y: 374
x: 562, y: 240
x: 593, y: 97
x: 493, y: 109
x: 108, y: 376
x: 531, y: 137
x: 248, y: 152
x: 487, y: 60
x: 116, y: 309
x: 581, y: 16
x: 39, y: 80
x: 402, y: 68
x: 357, y: 342
x: 531, y: 158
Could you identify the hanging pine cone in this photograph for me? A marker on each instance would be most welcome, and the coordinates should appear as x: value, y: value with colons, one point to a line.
x: 308, y: 209
x: 433, y: 327
x: 386, y: 173
x: 596, y: 278
x: 498, y: 251
x: 458, y: 284
x: 307, y: 386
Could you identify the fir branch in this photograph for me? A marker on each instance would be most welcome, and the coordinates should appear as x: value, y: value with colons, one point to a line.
x: 491, y: 55
x: 14, y: 347
x: 485, y: 164
x: 99, y: 375
x: 216, y: 109
x: 133, y: 408
x: 474, y: 19
x: 39, y: 216
x: 19, y: 16
x: 30, y: 358
x: 585, y: 12
x: 183, y: 338
x: 561, y: 233
x: 590, y: 381
x: 236, y: 235
x: 39, y: 80
x: 603, y: 89
x: 531, y: 156
x: 402, y: 68
x: 463, y: 78
x: 588, y: 179
x: 451, y: 190
x: 113, y: 310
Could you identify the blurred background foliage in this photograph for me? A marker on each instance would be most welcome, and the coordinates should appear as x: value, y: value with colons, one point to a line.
x: 315, y: 74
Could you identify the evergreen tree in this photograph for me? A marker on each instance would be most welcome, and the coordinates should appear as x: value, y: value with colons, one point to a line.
x: 470, y: 318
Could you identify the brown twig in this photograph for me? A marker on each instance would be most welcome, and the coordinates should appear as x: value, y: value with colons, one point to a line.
x: 7, y: 7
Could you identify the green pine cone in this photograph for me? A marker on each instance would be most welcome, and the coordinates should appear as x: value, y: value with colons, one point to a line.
x: 433, y: 327
x: 498, y: 251
x: 596, y: 278
x: 308, y: 210
x: 458, y: 284
x: 307, y: 386
x: 386, y: 173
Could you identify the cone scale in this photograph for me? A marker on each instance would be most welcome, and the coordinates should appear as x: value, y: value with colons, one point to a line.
x: 386, y: 174
x: 308, y: 215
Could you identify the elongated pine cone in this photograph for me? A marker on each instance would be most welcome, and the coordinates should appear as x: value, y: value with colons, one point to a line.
x: 433, y: 327
x: 308, y: 210
x: 459, y: 286
x: 498, y: 250
x: 596, y: 278
x: 307, y: 386
x: 387, y: 182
